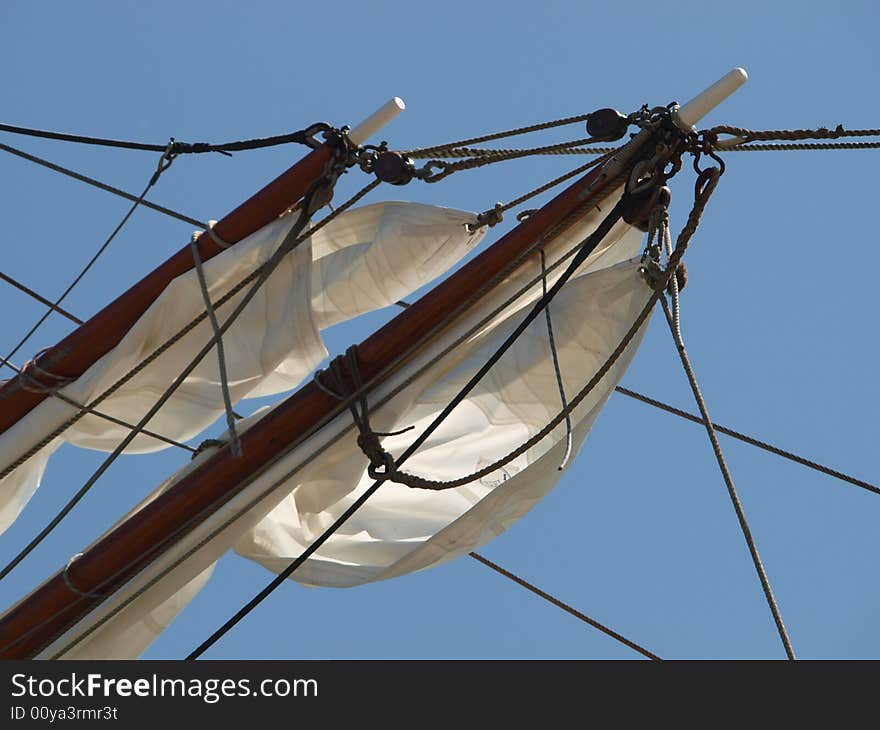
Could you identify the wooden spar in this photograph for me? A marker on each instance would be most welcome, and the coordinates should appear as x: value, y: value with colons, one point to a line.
x: 77, y: 352
x: 49, y: 610
x: 43, y: 616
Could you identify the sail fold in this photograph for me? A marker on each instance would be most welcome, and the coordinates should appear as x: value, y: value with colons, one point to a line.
x: 365, y: 259
x: 401, y: 530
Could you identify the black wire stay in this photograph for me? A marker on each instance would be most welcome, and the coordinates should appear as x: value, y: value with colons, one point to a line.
x: 303, y: 136
x: 741, y: 139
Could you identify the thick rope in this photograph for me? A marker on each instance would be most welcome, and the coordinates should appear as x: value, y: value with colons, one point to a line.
x: 675, y: 327
x: 445, y: 169
x: 564, y: 606
x: 570, y: 148
x: 436, y: 149
x: 235, y: 443
x: 801, y: 147
x: 164, y: 163
x: 556, y: 369
x: 751, y: 135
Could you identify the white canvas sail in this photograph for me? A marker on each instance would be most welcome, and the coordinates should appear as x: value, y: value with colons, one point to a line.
x: 365, y: 259
x: 400, y: 530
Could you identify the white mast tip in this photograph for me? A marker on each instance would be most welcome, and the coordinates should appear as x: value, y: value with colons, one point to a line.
x: 378, y: 119
x: 689, y: 114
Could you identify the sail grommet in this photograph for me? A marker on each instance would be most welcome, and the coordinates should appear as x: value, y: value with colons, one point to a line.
x: 69, y: 583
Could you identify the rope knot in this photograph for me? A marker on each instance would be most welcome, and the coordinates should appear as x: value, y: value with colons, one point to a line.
x: 381, y: 462
x: 491, y: 217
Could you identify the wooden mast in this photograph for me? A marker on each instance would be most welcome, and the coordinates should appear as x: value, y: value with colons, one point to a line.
x: 47, y: 612
x: 77, y: 352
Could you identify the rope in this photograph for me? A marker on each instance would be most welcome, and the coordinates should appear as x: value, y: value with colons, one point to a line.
x: 499, y: 135
x: 706, y: 183
x: 184, y: 528
x: 101, y: 186
x: 802, y: 146
x: 178, y: 148
x: 495, y: 215
x: 369, y: 441
x: 556, y: 369
x: 751, y: 441
x: 164, y: 163
x: 674, y: 326
x: 556, y: 181
x: 683, y: 239
x: 751, y: 135
x: 42, y: 300
x: 567, y: 149
x: 180, y: 334
x: 55, y: 393
x: 741, y: 138
x: 448, y: 168
x: 564, y: 606
x: 218, y: 338
x: 293, y: 238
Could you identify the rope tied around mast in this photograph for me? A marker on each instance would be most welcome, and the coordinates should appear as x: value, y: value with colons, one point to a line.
x: 347, y: 382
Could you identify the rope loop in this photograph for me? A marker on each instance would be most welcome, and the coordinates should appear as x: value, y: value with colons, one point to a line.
x: 212, y: 234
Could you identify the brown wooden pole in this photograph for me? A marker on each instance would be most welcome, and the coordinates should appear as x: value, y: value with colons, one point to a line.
x: 40, y: 618
x: 77, y: 352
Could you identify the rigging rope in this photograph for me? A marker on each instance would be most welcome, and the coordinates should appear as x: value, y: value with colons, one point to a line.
x: 164, y: 163
x: 436, y: 149
x: 102, y: 186
x: 706, y: 183
x: 767, y: 135
x: 564, y: 606
x: 673, y: 318
x: 303, y: 136
x: 6, y: 148
x: 383, y: 466
x: 739, y: 435
x: 693, y: 212
x: 41, y: 299
x: 227, y: 521
x: 235, y: 443
x: 803, y: 461
x: 294, y: 237
x: 556, y: 369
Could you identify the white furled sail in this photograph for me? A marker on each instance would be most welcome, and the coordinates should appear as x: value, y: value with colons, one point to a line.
x: 363, y: 260
x: 399, y: 529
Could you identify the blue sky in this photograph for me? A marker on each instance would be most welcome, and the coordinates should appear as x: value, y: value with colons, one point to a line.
x: 779, y: 313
